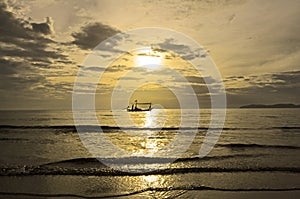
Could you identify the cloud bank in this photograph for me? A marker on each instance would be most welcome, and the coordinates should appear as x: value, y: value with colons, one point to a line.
x: 92, y: 34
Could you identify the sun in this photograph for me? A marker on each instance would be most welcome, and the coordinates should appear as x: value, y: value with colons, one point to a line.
x: 146, y: 57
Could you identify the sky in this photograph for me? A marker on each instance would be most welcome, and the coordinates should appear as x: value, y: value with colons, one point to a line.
x: 44, y: 44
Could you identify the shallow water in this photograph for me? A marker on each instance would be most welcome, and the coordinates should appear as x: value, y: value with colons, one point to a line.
x: 257, y: 152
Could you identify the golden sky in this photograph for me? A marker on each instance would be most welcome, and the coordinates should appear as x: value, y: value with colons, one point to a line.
x: 254, y: 43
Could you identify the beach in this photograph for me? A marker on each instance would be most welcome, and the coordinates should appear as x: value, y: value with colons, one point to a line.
x: 149, y: 99
x: 256, y: 156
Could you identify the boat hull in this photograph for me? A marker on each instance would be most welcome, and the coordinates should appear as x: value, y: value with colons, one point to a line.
x: 138, y: 110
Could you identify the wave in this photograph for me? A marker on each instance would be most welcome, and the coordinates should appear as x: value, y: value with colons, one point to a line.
x: 106, y: 171
x: 96, y: 127
x: 96, y: 167
x: 238, y: 145
x: 146, y: 160
x: 152, y: 189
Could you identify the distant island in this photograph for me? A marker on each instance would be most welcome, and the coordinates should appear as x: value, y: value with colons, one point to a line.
x: 271, y: 106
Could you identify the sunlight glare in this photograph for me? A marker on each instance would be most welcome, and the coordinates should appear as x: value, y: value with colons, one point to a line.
x: 148, y: 58
x: 151, y: 179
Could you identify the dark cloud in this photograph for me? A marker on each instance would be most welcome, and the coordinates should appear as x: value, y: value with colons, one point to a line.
x: 200, y: 80
x: 92, y: 34
x: 276, y: 80
x: 200, y: 89
x: 170, y: 44
x: 10, y: 26
x: 28, y: 57
x: 264, y: 89
x: 181, y: 50
x: 130, y: 78
x: 23, y: 42
x: 287, y: 78
x: 17, y: 76
x: 117, y: 68
x: 113, y: 68
x: 93, y: 68
x: 44, y: 28
x: 6, y: 68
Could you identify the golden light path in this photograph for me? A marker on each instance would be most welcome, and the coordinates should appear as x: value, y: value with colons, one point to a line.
x: 154, y: 119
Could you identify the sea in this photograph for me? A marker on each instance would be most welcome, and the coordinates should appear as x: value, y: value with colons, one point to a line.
x: 45, y: 154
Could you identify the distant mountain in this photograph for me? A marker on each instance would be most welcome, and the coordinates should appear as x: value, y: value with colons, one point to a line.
x: 271, y: 106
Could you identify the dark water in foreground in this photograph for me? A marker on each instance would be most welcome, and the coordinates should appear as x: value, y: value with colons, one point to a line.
x: 257, y: 155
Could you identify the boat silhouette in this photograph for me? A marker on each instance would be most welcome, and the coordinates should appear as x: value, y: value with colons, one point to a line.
x: 135, y: 108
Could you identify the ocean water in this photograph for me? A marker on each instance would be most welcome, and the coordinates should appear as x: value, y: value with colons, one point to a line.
x: 257, y: 155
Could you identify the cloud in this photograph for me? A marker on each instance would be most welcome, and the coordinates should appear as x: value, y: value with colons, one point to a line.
x: 184, y: 51
x: 245, y: 37
x: 92, y: 34
x: 19, y: 40
x: 267, y: 88
x: 113, y: 68
x: 201, y: 80
x: 28, y: 58
x: 10, y: 26
x: 117, y: 68
x: 93, y: 68
x: 287, y: 78
x: 44, y: 28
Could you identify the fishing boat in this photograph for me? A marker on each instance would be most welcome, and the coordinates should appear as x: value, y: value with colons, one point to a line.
x: 137, y: 106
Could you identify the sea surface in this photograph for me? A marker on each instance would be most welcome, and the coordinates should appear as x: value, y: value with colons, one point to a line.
x: 42, y: 155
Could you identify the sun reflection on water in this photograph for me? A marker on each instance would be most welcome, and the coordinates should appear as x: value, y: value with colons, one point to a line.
x: 154, y: 119
x: 152, y: 180
x: 145, y: 135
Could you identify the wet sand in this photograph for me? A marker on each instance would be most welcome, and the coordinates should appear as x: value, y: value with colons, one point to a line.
x: 187, y: 185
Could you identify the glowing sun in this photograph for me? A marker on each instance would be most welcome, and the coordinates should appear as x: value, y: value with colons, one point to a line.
x: 148, y: 58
